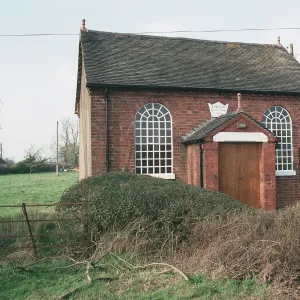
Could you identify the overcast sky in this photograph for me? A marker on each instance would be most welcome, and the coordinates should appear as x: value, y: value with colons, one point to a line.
x: 38, y: 74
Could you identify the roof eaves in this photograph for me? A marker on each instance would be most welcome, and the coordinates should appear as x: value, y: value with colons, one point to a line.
x: 91, y: 84
x: 79, y: 75
x: 199, y: 127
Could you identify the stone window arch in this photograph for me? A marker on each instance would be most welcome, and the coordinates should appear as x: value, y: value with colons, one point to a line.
x: 153, y: 141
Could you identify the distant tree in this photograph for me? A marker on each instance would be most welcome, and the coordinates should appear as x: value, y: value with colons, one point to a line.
x: 10, y: 162
x: 68, y: 142
x: 32, y: 162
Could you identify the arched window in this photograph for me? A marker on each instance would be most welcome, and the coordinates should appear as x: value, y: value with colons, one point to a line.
x: 153, y: 141
x: 278, y: 120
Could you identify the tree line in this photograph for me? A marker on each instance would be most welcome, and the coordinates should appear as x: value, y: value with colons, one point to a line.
x: 35, y: 161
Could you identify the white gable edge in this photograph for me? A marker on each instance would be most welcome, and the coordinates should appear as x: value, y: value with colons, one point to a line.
x: 240, y: 137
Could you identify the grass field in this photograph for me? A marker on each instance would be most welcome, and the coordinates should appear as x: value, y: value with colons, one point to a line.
x: 51, y: 280
x: 37, y: 188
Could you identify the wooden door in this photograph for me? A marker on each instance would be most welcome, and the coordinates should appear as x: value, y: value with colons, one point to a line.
x: 239, y: 172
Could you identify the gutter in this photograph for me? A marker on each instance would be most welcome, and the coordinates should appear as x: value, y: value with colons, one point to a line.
x: 106, y: 131
x: 191, y: 89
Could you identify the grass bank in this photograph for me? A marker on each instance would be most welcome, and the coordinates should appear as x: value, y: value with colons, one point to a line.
x: 50, y: 280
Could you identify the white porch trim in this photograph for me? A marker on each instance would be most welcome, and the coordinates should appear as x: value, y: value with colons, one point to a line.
x: 240, y: 137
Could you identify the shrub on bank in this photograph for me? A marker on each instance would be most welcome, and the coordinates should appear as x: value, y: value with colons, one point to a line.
x: 198, y: 230
x: 117, y: 199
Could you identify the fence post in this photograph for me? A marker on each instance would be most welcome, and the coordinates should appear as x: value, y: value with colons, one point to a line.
x: 29, y: 228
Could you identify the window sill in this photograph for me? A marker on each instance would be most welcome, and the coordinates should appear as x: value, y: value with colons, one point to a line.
x: 163, y: 176
x: 285, y: 173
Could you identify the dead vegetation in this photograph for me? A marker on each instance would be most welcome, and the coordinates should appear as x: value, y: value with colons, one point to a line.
x: 247, y: 245
x: 199, y: 231
x: 257, y: 244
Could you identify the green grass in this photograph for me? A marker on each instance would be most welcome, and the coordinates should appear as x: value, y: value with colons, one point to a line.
x: 39, y: 282
x: 36, y: 188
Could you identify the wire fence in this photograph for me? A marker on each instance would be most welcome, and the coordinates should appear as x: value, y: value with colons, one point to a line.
x: 38, y: 229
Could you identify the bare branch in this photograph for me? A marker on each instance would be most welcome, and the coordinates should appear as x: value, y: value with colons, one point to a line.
x: 68, y: 145
x: 166, y: 265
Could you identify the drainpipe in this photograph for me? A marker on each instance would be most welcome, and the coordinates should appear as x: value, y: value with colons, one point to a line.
x: 106, y: 132
x: 201, y: 165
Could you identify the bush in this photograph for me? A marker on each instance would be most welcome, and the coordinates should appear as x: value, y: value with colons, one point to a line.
x: 6, y: 170
x: 198, y: 230
x: 117, y: 199
x: 24, y: 168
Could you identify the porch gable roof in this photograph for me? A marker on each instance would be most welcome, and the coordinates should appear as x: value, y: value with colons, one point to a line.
x: 209, y: 127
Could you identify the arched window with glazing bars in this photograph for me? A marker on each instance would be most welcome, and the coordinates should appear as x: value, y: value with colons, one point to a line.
x: 278, y: 120
x: 153, y: 141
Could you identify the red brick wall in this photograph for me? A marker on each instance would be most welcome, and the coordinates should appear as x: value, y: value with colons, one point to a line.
x: 250, y: 126
x: 98, y: 132
x: 188, y: 110
x: 267, y: 176
x: 211, y: 166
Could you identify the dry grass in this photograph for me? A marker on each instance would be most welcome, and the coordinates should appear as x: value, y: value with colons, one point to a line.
x: 249, y: 245
x: 252, y: 244
x: 258, y: 244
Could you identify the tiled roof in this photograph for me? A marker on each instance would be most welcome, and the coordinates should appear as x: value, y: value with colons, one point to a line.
x: 199, y: 133
x: 114, y: 59
x: 207, y: 127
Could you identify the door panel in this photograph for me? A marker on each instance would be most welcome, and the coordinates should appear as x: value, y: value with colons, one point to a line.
x: 229, y: 169
x: 249, y: 185
x: 239, y: 172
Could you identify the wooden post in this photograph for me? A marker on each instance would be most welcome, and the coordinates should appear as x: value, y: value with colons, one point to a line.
x: 29, y: 228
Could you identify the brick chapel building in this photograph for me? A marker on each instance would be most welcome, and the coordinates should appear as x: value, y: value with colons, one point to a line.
x: 219, y: 115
